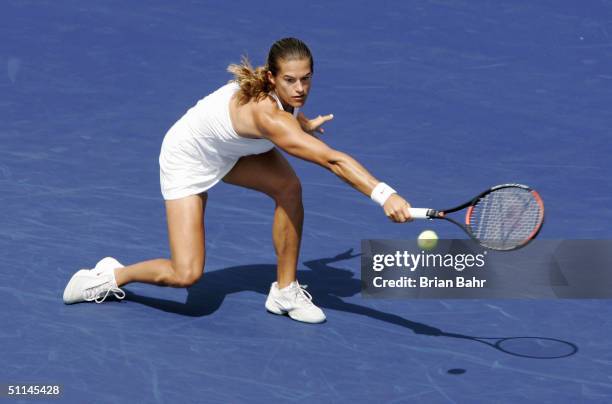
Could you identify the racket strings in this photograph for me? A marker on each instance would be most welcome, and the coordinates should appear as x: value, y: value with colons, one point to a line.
x: 506, y: 218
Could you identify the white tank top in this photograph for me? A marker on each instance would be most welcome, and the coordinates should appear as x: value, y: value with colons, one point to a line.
x: 202, y: 146
x: 211, y: 126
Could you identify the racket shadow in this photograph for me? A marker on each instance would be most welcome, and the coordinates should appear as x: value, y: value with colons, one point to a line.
x: 329, y: 285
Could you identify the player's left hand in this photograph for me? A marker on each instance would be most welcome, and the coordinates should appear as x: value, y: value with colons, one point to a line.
x: 313, y: 126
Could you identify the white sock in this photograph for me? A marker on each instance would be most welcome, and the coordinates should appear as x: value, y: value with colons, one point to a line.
x: 292, y: 284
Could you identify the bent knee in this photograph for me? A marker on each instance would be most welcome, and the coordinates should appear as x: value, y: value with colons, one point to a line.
x: 289, y: 191
x: 186, y: 276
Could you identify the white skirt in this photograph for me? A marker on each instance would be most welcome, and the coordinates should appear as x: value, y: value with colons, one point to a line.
x: 190, y: 165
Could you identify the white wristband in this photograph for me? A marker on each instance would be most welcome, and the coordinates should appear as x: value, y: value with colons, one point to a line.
x: 381, y: 193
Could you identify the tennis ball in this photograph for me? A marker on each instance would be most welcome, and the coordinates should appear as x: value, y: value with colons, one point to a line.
x: 428, y: 240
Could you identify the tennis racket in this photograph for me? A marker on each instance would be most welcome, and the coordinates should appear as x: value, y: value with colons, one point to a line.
x: 504, y: 217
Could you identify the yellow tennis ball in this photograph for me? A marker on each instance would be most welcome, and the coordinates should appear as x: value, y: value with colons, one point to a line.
x: 428, y: 240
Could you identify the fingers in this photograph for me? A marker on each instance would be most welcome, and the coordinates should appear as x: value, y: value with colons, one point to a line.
x: 320, y: 120
x: 399, y: 214
x: 313, y: 126
x: 407, y: 215
x: 328, y: 117
x: 396, y: 216
x: 399, y: 218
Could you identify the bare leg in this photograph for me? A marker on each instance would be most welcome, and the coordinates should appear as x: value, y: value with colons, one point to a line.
x: 186, y: 236
x: 271, y: 174
x: 287, y: 237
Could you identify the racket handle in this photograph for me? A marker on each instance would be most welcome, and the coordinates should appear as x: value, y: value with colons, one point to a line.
x: 420, y: 213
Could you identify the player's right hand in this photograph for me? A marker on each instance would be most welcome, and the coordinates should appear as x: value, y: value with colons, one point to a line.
x: 397, y: 209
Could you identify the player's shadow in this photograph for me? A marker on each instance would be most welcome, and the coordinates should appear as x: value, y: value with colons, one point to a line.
x: 329, y: 285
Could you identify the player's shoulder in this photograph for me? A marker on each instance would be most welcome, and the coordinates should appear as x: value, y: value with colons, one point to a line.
x: 265, y: 104
x: 266, y: 109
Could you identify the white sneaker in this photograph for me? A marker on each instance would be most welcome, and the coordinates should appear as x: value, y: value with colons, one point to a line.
x: 87, y: 286
x: 106, y: 265
x: 295, y: 301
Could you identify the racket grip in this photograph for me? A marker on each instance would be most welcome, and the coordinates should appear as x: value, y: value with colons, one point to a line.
x: 419, y: 213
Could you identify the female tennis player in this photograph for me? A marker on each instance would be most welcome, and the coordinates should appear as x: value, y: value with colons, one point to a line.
x: 234, y: 135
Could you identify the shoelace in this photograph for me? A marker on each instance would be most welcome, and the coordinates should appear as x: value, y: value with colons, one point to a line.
x: 100, y: 293
x: 302, y: 294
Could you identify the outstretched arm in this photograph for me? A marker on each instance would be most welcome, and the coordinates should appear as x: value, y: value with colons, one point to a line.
x: 286, y: 133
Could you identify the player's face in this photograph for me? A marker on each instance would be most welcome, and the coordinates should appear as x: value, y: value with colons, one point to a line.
x: 292, y: 82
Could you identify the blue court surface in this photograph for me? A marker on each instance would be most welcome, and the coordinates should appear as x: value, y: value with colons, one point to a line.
x: 440, y: 99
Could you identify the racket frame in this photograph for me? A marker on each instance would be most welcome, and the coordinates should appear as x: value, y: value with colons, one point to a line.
x: 442, y: 214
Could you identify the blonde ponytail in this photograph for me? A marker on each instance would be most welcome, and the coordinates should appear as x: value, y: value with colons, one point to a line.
x: 253, y: 83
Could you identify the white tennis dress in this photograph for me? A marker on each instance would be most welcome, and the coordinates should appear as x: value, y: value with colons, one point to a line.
x: 202, y: 146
